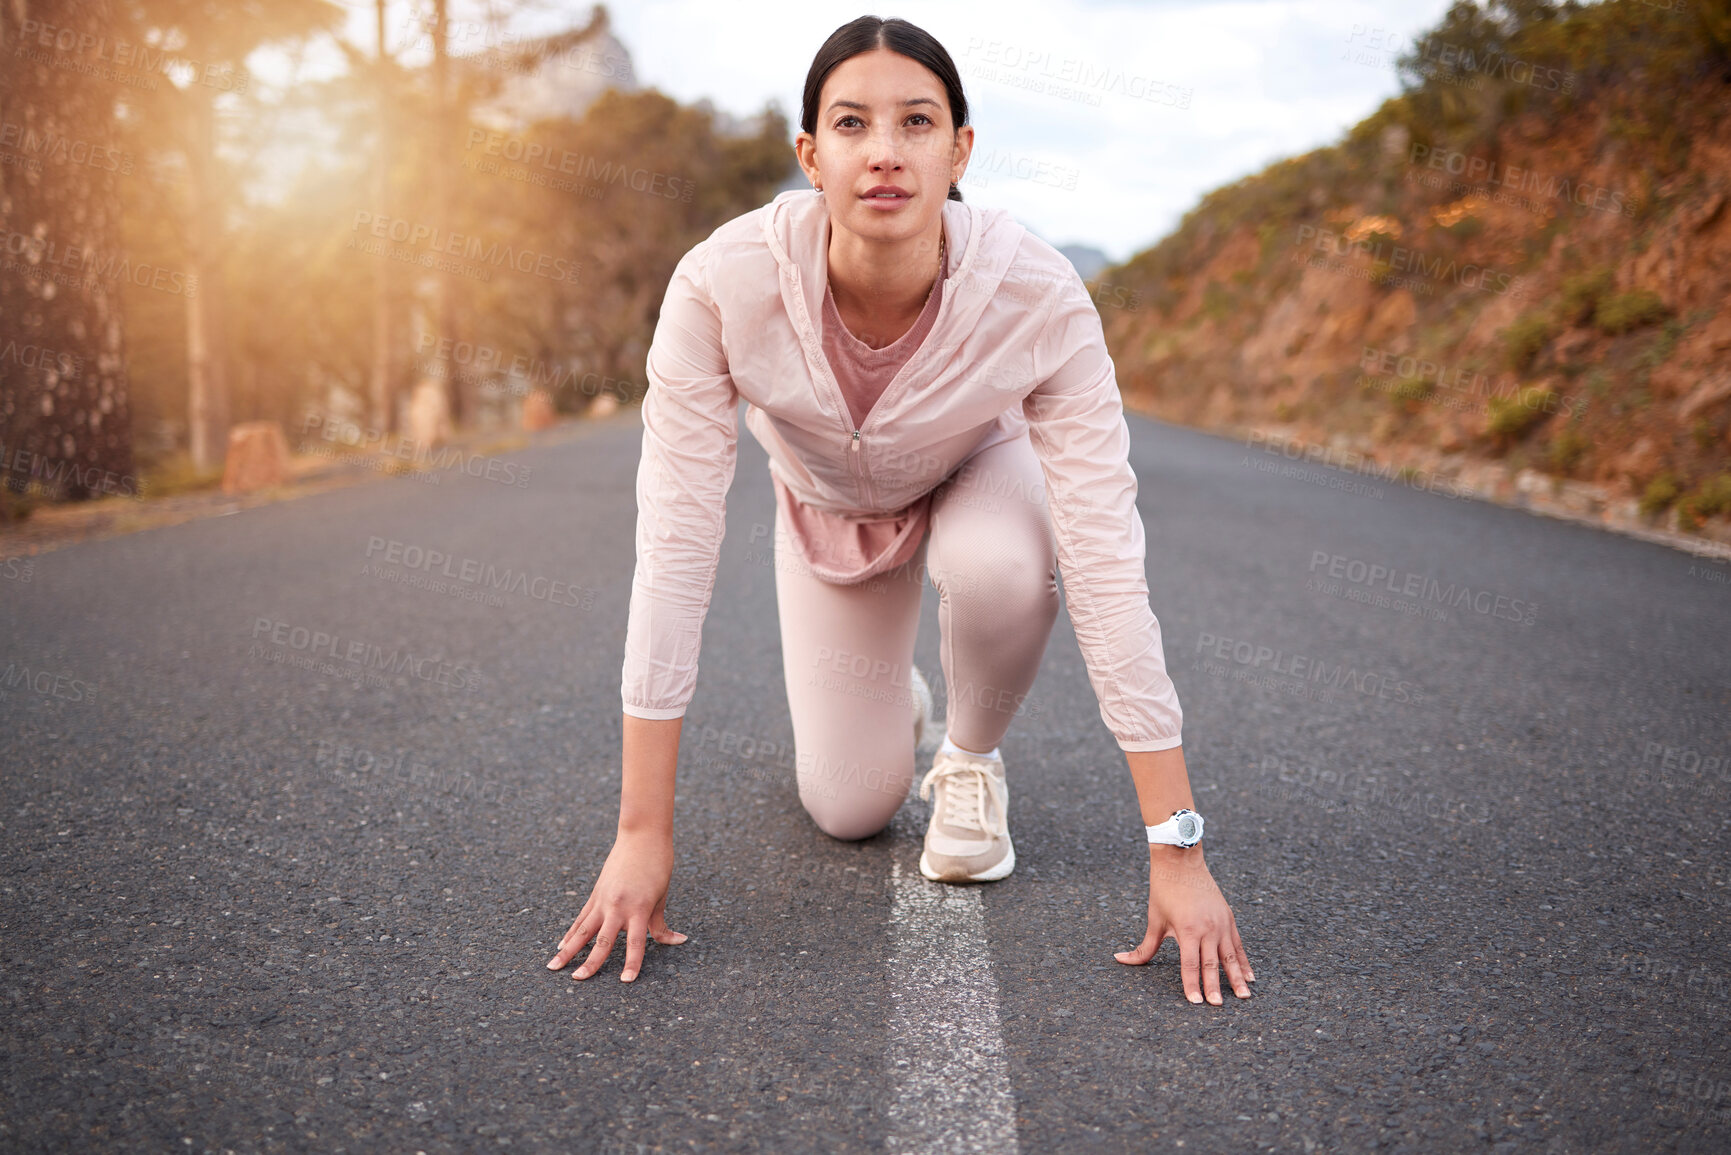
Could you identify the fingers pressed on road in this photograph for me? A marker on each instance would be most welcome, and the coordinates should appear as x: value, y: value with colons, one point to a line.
x: 1211, y: 971
x: 1238, y: 947
x: 563, y: 954
x: 659, y: 929
x: 1190, y: 963
x: 1144, y: 950
x: 1201, y: 957
x: 598, y: 956
x: 1235, y: 969
x: 634, y: 947
x: 661, y: 934
x: 570, y: 944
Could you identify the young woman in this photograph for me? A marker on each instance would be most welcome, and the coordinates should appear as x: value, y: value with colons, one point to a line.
x: 932, y: 386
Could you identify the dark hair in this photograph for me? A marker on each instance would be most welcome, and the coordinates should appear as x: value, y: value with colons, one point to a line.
x: 867, y: 34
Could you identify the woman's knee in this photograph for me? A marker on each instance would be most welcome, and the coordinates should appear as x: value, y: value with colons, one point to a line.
x: 846, y: 825
x: 849, y: 801
x: 1004, y: 578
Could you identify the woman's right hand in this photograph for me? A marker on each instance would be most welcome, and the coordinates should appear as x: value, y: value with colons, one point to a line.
x: 630, y: 895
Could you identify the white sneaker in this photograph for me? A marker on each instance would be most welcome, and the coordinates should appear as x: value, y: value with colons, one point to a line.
x: 922, y: 696
x: 969, y: 836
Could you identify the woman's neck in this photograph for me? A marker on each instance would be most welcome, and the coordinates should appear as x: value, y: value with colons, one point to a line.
x: 883, y: 279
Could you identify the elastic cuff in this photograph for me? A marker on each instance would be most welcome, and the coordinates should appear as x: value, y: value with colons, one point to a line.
x: 1152, y: 743
x: 655, y: 714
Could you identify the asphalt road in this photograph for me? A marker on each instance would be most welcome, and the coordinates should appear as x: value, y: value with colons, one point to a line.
x: 255, y: 897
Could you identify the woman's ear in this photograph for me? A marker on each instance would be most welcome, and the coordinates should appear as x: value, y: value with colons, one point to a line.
x: 805, y: 151
x: 964, y: 148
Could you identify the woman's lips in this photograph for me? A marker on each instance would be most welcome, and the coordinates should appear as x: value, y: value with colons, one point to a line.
x: 884, y: 202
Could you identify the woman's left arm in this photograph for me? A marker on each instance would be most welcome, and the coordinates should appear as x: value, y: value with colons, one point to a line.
x: 1076, y: 424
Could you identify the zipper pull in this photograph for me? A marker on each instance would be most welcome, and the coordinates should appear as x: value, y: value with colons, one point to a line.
x: 856, y: 441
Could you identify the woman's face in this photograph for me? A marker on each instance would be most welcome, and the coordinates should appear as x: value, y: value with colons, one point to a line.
x: 885, y: 150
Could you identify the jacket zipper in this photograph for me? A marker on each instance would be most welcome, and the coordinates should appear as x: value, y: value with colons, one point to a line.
x: 867, y: 493
x: 814, y: 344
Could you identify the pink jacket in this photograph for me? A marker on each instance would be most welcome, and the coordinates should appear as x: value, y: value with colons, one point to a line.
x: 1017, y: 348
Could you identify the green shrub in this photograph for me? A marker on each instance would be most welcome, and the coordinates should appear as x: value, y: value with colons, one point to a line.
x: 1566, y: 450
x: 1593, y: 47
x: 1713, y: 497
x: 1579, y: 297
x: 1622, y: 312
x: 1523, y: 339
x: 1660, y: 493
x: 1513, y: 416
x: 1703, y: 433
x: 1414, y: 388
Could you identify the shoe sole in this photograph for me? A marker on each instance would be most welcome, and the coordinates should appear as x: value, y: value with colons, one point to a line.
x: 992, y: 873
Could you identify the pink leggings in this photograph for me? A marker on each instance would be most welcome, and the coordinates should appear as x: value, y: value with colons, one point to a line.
x: 847, y: 649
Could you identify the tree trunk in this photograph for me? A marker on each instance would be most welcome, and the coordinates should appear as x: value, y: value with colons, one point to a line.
x: 206, y: 367
x: 65, y: 412
x: 445, y: 310
x: 384, y: 408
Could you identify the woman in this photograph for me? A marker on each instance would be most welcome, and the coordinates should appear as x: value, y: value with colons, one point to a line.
x: 932, y: 386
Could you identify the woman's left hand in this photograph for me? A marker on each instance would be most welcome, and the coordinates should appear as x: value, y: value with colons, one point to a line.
x: 1185, y: 905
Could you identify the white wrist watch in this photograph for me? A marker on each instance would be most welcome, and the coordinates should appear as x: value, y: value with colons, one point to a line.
x: 1184, y: 828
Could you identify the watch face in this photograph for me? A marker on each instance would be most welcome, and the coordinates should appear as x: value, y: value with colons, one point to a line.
x: 1186, y: 827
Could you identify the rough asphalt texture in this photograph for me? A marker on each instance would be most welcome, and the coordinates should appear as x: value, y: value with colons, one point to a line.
x: 250, y: 906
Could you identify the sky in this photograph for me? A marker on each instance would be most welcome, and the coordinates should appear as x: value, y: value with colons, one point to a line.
x: 1095, y: 122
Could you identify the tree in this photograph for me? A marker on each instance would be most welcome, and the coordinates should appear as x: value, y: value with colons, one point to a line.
x: 65, y: 414
x: 640, y: 180
x: 451, y: 107
x: 201, y: 46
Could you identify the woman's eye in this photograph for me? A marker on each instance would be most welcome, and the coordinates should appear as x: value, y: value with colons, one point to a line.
x: 850, y: 120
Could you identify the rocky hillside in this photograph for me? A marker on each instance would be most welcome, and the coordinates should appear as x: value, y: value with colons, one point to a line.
x: 1522, y: 265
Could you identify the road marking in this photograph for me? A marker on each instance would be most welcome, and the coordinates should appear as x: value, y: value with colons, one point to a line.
x: 952, y: 1078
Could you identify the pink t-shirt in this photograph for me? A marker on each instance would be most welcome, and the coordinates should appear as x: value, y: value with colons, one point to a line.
x: 862, y: 371
x: 853, y: 549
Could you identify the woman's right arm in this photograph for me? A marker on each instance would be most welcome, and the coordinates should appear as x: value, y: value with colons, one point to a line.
x: 690, y: 436
x: 631, y: 893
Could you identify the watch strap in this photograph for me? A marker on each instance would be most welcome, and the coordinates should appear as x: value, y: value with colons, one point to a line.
x: 1167, y: 833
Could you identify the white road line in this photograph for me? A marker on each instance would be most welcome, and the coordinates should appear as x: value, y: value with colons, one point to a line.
x: 952, y: 1078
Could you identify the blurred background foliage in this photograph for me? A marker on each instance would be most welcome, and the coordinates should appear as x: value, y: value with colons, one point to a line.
x: 259, y: 191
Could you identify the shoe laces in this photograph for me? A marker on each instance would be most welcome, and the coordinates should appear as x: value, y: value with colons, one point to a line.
x: 968, y: 788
